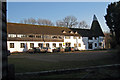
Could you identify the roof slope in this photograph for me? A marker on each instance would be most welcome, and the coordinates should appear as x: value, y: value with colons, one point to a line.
x: 95, y: 27
x: 17, y: 28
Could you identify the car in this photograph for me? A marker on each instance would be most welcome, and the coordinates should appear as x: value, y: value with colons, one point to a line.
x: 49, y: 49
x: 43, y: 49
x: 34, y: 50
x: 59, y: 49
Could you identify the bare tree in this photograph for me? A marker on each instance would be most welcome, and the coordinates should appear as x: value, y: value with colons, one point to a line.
x: 44, y: 22
x: 83, y: 25
x: 28, y: 21
x: 69, y: 21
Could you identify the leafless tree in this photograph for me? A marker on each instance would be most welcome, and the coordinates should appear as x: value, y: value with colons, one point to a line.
x: 28, y: 21
x: 83, y: 25
x: 69, y: 21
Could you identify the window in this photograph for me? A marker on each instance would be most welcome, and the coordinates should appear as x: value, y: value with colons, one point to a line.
x: 70, y: 32
x: 75, y: 45
x: 79, y: 45
x: 54, y: 44
x: 54, y: 37
x: 76, y: 32
x: 90, y: 38
x: 11, y: 35
x: 31, y: 36
x: 67, y: 37
x: 11, y: 45
x: 64, y: 31
x: 95, y: 38
x: 38, y: 36
x: 60, y: 37
x: 79, y: 37
x: 100, y: 44
x: 95, y: 44
x: 74, y: 37
x: 31, y: 45
x: 47, y: 44
x: 40, y: 44
x: 60, y: 44
x: 22, y: 45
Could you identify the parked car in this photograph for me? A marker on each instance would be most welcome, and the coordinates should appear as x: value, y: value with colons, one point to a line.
x: 43, y: 49
x: 69, y: 49
x: 76, y: 49
x: 59, y: 49
x: 49, y: 49
x: 34, y: 50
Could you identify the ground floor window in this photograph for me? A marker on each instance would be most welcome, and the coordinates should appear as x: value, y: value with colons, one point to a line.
x: 22, y: 45
x: 60, y: 44
x: 67, y: 44
x: 11, y: 45
x: 75, y: 45
x: 54, y: 44
x: 100, y: 44
x: 47, y: 45
x: 31, y: 45
x: 90, y: 45
x: 95, y: 44
x: 40, y: 44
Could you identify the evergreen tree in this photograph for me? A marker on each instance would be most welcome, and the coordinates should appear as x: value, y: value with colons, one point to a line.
x: 113, y: 20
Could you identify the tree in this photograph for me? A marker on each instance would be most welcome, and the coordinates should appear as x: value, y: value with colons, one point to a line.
x: 69, y: 21
x: 28, y: 21
x: 44, y: 22
x: 83, y: 25
x: 38, y: 21
x: 113, y: 20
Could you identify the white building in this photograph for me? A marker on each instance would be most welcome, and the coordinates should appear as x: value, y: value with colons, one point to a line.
x: 22, y: 37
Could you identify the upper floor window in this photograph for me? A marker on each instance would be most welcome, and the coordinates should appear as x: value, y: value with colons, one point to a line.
x: 64, y: 31
x: 79, y: 37
x: 11, y: 35
x: 74, y: 37
x: 11, y: 45
x: 71, y: 32
x: 54, y: 37
x: 67, y: 37
x: 95, y: 38
x: 90, y: 38
x: 32, y: 36
x: 76, y: 32
x: 38, y: 36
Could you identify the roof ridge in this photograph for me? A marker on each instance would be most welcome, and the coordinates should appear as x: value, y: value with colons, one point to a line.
x: 37, y: 25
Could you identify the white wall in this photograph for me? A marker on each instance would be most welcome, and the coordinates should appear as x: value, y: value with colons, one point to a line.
x: 17, y: 45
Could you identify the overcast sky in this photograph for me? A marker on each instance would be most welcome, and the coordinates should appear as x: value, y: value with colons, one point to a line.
x: 54, y: 11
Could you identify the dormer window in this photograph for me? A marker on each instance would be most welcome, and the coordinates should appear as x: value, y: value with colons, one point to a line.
x: 63, y: 31
x: 71, y: 32
x: 76, y: 32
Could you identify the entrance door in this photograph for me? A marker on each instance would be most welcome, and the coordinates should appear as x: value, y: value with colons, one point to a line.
x: 89, y: 45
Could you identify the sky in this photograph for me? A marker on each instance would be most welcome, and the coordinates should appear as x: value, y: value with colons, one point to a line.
x: 54, y: 11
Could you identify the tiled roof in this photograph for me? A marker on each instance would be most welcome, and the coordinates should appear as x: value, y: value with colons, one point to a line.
x: 17, y: 28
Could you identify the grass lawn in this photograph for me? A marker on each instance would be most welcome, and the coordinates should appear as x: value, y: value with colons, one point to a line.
x: 53, y: 61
